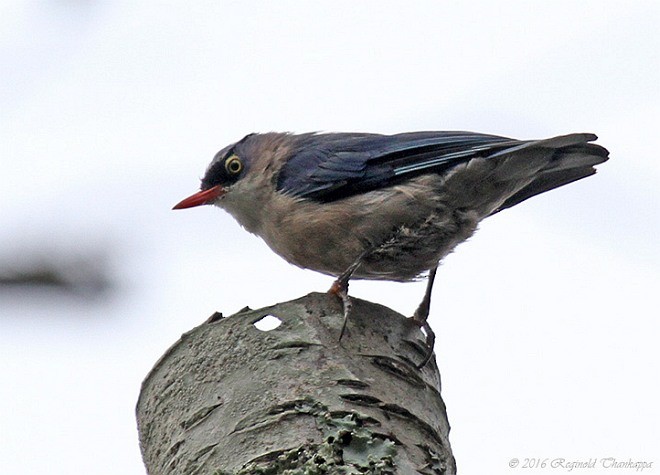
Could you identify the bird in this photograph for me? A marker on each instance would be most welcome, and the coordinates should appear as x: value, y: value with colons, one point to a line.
x: 383, y: 207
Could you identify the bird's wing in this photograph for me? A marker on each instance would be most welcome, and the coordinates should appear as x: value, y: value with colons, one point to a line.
x: 327, y: 167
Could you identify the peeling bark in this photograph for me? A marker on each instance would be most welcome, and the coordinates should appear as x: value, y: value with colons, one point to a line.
x: 228, y: 398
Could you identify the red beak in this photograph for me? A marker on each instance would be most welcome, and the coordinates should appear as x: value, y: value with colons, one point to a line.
x: 204, y: 197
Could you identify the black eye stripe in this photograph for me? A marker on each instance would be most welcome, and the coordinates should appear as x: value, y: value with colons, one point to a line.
x: 226, y: 169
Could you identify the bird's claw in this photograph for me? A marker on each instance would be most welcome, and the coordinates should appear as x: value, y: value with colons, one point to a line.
x: 340, y: 289
x: 430, y: 339
x: 421, y: 317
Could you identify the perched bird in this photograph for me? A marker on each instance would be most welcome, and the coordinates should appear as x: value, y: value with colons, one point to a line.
x: 383, y: 207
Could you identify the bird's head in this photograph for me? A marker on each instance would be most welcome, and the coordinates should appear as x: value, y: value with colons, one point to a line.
x: 228, y: 166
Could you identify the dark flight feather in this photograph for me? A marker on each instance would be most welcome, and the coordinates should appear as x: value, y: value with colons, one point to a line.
x: 327, y: 167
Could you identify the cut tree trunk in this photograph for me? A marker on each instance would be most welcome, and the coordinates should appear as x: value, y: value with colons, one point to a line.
x: 228, y: 398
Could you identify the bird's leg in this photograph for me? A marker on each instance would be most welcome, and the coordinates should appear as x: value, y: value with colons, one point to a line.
x: 340, y: 289
x: 421, y: 315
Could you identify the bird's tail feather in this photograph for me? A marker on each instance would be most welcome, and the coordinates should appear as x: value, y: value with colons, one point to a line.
x: 573, y: 159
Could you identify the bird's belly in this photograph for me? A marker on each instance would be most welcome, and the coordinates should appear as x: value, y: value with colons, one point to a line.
x: 413, y: 250
x: 400, y: 232
x: 398, y: 250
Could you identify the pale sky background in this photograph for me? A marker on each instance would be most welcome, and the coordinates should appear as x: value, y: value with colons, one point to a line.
x: 547, y: 319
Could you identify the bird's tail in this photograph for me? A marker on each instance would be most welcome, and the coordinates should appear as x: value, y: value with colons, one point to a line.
x: 573, y: 158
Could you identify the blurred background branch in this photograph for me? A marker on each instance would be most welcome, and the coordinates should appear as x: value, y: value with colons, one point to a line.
x: 83, y: 274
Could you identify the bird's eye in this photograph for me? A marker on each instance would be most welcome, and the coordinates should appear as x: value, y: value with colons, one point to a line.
x: 233, y: 165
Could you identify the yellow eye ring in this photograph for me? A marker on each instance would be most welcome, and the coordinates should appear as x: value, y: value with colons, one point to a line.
x: 233, y: 165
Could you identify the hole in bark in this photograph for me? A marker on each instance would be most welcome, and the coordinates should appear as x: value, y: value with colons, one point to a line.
x: 267, y: 323
x: 345, y: 438
x: 352, y: 383
x: 363, y: 399
x: 399, y: 370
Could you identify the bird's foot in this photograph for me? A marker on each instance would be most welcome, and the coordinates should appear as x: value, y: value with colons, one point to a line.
x: 423, y: 324
x: 421, y: 316
x: 340, y: 289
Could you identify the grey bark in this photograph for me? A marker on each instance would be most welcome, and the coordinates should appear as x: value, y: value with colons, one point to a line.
x: 228, y: 398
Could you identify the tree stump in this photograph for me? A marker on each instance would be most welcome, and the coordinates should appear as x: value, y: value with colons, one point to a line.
x: 228, y: 398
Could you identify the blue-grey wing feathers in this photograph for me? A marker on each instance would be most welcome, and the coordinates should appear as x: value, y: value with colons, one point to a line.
x: 332, y: 166
x: 327, y: 167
